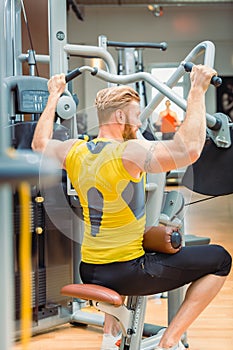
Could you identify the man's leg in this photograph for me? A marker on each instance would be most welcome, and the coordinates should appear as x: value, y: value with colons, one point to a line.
x: 111, y: 334
x: 157, y: 238
x: 169, y: 271
x: 198, y: 296
x: 111, y: 326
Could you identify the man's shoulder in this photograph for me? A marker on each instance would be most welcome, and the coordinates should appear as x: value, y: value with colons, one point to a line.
x: 72, y: 145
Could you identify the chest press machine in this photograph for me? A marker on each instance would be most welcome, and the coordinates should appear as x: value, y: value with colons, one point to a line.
x: 166, y: 209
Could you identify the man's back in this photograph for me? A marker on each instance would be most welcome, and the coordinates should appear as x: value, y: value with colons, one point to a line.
x: 113, y: 202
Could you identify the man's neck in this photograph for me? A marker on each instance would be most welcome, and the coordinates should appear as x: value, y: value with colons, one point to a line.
x: 110, y: 133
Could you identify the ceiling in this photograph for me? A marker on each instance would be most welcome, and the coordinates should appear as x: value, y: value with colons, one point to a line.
x: 151, y: 2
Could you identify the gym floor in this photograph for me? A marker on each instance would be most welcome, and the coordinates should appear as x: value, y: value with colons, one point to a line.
x: 213, y: 330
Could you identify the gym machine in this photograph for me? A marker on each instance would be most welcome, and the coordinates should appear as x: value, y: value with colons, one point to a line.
x: 17, y: 168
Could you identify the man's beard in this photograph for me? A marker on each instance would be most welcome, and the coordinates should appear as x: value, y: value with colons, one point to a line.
x: 129, y: 133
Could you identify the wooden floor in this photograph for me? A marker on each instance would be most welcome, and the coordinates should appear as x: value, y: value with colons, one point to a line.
x: 213, y: 330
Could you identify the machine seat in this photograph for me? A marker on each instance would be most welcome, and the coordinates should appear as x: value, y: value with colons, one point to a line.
x: 93, y: 292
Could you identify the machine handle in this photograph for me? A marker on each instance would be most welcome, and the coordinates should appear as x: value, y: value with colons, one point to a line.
x: 215, y: 80
x: 73, y: 74
x: 176, y: 239
x: 162, y: 46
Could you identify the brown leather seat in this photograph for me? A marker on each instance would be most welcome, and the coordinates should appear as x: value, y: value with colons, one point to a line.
x: 93, y: 292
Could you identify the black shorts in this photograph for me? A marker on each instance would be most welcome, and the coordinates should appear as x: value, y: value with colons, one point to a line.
x: 157, y: 272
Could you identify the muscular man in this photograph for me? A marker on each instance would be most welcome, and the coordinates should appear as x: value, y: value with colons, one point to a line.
x: 108, y: 174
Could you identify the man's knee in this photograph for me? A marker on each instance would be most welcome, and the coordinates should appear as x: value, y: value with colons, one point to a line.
x: 225, y: 261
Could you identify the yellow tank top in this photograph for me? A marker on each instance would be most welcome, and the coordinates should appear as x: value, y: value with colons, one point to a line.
x: 113, y: 202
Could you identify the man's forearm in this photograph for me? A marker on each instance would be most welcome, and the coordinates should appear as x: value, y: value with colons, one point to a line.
x: 44, y: 129
x: 192, y: 132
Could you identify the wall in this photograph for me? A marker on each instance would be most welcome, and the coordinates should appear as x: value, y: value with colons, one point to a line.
x: 37, y: 19
x: 180, y: 27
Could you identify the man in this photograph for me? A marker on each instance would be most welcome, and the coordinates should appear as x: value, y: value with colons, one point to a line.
x: 108, y: 174
x: 168, y: 122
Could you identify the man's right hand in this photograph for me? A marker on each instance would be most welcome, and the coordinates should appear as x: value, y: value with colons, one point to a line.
x: 201, y: 75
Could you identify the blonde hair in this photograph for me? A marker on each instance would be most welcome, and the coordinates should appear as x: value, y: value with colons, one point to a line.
x: 109, y: 99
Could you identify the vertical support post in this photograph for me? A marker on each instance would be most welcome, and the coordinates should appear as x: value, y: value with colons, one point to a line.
x: 129, y: 60
x: 6, y: 239
x: 18, y: 38
x: 8, y: 14
x: 155, y: 197
x: 12, y: 18
x: 57, y: 36
x: 139, y: 317
x: 120, y: 61
x: 141, y: 84
x: 57, y: 41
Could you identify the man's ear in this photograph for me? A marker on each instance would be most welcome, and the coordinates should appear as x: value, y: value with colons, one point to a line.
x: 120, y: 116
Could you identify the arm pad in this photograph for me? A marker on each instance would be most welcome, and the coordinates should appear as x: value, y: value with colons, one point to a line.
x: 159, y: 239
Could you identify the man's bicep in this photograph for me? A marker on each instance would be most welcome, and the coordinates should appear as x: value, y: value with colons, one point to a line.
x: 142, y: 154
x: 152, y: 156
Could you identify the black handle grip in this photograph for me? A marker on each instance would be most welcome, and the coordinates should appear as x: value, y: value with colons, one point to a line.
x: 176, y: 239
x: 73, y: 74
x: 216, y: 81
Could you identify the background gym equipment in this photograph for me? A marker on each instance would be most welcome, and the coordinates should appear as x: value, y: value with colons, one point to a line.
x: 15, y: 167
x: 130, y: 60
x: 23, y: 99
x: 29, y: 95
